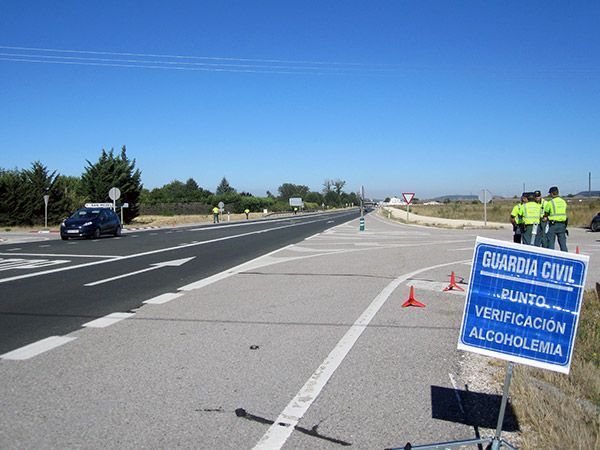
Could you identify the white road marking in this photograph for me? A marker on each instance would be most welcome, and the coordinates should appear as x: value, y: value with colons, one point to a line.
x: 106, y: 321
x: 173, y: 263
x: 460, y: 249
x: 42, y: 246
x: 164, y: 298
x: 284, y: 425
x: 308, y: 249
x: 261, y: 261
x: 436, y: 286
x: 13, y: 249
x: 18, y: 263
x: 162, y: 250
x: 31, y: 350
x: 60, y: 255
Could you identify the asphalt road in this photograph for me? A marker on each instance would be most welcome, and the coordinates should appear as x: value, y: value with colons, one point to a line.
x: 306, y: 347
x: 48, y: 289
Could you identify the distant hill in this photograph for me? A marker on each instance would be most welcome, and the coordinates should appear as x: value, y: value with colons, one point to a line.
x: 455, y: 198
x: 588, y: 194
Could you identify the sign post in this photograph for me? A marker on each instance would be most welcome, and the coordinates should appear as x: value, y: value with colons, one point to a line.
x: 523, y: 305
x: 114, y: 194
x: 124, y: 205
x: 361, y: 221
x: 485, y: 197
x: 46, y: 198
x: 408, y: 198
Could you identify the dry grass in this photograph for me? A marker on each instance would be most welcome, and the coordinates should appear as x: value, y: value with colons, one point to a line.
x: 563, y: 411
x: 580, y: 212
x: 165, y: 221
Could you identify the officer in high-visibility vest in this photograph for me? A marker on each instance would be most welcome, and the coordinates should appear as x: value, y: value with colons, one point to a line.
x: 247, y: 212
x: 532, y: 212
x: 556, y: 213
x: 516, y: 218
x: 543, y: 221
x: 215, y: 211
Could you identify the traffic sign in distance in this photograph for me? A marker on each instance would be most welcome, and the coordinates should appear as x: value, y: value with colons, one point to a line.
x: 523, y: 304
x: 485, y: 196
x: 408, y: 197
x: 114, y: 193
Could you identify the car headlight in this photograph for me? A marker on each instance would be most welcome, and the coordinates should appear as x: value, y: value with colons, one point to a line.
x: 87, y: 224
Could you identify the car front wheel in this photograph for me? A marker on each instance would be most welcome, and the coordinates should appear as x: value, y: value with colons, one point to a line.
x: 118, y: 231
x: 97, y: 233
x: 595, y: 226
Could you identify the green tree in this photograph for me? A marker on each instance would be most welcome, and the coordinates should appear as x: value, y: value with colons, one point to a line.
x: 338, y: 186
x: 113, y: 171
x: 289, y: 190
x: 12, y: 195
x: 314, y: 197
x: 224, y: 188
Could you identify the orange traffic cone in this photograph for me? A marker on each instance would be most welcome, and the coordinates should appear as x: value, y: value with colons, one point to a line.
x: 453, y: 284
x: 577, y: 250
x: 412, y: 301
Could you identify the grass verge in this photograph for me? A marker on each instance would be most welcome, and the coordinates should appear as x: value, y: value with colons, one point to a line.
x: 563, y: 411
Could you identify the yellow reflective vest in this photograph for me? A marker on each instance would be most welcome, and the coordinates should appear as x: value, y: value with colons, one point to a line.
x: 556, y: 209
x: 517, y: 213
x: 532, y: 212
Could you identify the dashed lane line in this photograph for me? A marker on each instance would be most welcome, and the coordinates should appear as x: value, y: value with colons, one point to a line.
x: 163, y: 298
x: 31, y: 350
x: 108, y: 320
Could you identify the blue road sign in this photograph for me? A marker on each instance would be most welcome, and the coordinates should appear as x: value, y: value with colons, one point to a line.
x: 523, y: 304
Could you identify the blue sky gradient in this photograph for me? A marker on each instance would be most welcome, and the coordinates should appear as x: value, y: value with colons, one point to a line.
x: 432, y: 97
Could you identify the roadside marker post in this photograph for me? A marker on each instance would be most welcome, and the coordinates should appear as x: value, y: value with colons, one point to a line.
x: 523, y: 305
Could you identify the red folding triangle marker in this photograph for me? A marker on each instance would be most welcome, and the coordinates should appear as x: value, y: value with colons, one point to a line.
x: 577, y: 250
x: 453, y: 284
x: 412, y: 301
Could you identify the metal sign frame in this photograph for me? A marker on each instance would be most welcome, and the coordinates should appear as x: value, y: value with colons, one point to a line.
x: 523, y: 304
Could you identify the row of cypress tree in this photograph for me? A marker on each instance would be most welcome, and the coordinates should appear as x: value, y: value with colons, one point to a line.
x: 22, y: 191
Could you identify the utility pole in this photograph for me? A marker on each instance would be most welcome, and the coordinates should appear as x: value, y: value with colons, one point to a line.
x: 590, y: 185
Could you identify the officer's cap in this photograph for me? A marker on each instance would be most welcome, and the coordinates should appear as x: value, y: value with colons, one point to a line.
x: 553, y: 190
x: 524, y: 194
x: 538, y: 193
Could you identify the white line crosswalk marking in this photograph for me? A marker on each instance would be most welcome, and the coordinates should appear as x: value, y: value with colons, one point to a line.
x: 18, y: 263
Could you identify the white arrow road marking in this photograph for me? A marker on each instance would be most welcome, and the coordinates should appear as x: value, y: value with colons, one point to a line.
x: 173, y: 263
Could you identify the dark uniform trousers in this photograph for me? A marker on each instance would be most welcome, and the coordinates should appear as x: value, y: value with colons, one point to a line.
x: 557, y: 230
x: 527, y: 237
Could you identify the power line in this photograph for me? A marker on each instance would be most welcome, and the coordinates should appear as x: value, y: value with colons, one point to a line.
x: 274, y: 66
x: 216, y: 58
x: 187, y: 63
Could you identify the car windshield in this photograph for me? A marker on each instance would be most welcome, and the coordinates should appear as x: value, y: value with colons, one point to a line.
x: 85, y: 214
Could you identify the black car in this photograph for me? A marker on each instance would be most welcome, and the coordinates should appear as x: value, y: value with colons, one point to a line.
x: 91, y: 222
x: 595, y: 225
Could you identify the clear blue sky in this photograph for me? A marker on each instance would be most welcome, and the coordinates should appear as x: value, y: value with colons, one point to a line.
x: 433, y: 97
